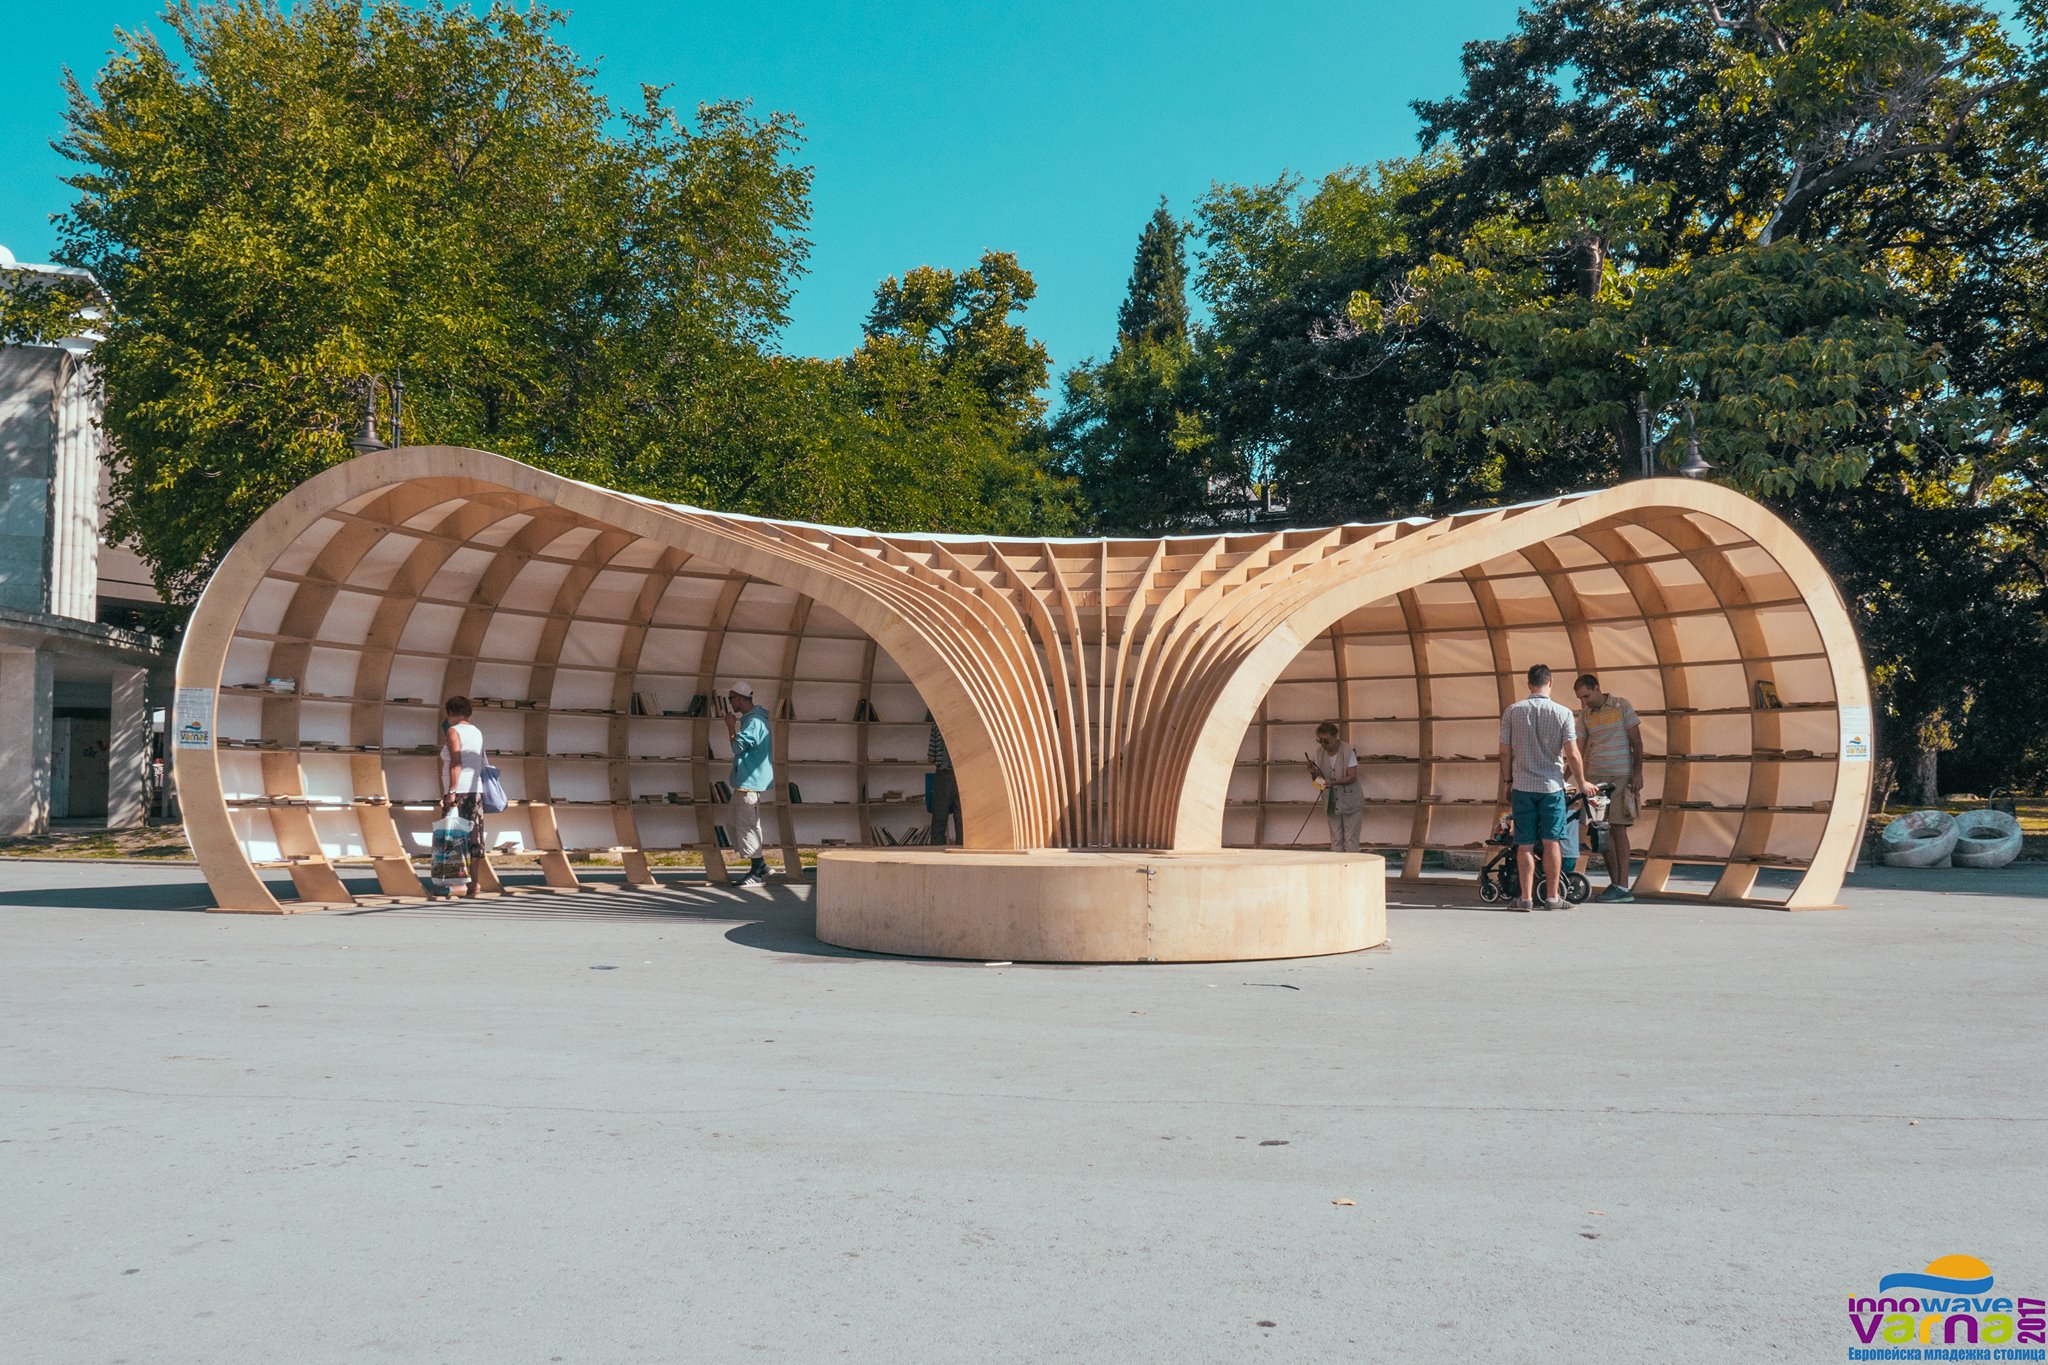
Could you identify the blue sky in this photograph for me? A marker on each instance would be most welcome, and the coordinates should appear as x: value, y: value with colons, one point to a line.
x: 941, y: 130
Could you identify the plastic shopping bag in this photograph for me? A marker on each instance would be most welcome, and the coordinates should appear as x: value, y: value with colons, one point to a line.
x: 451, y: 849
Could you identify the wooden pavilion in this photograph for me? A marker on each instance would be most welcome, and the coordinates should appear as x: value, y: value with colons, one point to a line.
x: 1147, y: 698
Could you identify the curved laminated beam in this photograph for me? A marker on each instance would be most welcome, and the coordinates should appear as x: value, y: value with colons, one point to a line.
x: 1348, y: 582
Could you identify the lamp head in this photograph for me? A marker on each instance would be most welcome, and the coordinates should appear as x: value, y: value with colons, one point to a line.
x: 1694, y: 467
x: 367, y: 439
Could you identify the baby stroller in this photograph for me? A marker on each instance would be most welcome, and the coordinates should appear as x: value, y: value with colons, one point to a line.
x: 1501, y: 880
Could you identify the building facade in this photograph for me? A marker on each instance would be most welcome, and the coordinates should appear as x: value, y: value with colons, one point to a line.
x: 80, y: 691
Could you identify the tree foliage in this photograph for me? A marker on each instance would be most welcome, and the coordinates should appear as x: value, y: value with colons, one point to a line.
x: 942, y: 426
x: 1143, y: 457
x: 283, y: 203
x: 1806, y: 236
x: 1848, y: 238
x: 1784, y: 365
x: 1155, y: 307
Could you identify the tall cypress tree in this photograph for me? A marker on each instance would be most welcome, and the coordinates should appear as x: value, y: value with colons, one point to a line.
x: 1156, y: 307
x: 1131, y: 432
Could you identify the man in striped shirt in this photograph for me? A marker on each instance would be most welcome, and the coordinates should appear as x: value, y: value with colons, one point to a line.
x: 945, y: 791
x: 1613, y: 740
x: 1536, y: 751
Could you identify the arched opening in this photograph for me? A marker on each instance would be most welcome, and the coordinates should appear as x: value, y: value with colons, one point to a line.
x: 1691, y: 620
x: 597, y: 659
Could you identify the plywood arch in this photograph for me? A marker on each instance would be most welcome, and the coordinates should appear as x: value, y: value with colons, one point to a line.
x: 1806, y: 815
x: 1143, y: 694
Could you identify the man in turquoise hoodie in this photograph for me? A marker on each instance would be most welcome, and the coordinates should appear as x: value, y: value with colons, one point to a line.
x: 753, y: 772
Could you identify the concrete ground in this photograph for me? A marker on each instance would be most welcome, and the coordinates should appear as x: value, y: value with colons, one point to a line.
x: 675, y: 1127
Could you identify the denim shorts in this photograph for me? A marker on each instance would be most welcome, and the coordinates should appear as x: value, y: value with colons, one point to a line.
x: 1538, y: 816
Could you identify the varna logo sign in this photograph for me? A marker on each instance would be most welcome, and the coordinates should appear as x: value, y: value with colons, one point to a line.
x: 1947, y: 1312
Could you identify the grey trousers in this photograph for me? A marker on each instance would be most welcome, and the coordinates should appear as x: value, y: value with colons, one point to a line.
x: 1344, y: 829
x: 746, y: 820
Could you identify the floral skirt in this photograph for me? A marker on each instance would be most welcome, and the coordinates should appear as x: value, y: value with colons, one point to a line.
x: 458, y: 842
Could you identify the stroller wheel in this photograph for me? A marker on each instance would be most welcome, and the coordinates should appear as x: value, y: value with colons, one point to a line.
x: 1489, y: 890
x: 1576, y: 888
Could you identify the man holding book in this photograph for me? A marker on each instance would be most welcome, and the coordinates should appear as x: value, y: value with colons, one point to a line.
x: 753, y: 772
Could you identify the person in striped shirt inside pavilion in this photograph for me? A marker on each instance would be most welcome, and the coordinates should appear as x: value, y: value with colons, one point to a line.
x: 945, y: 791
x: 1611, y: 737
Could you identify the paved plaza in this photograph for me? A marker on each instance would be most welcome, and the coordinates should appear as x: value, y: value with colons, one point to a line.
x: 625, y: 1126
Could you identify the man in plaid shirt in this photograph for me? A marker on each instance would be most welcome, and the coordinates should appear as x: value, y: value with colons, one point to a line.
x: 1612, y: 738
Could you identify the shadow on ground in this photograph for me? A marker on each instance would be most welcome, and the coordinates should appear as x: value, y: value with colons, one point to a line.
x: 777, y: 918
x: 161, y: 896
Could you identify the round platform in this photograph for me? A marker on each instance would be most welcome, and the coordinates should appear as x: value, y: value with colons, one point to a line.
x: 1060, y: 905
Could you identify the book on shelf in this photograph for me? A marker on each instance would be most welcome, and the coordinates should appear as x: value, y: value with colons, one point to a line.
x: 1767, y: 696
x: 696, y: 706
x: 786, y: 711
x: 796, y: 795
x: 864, y: 710
x: 640, y: 706
x: 719, y: 831
x: 721, y: 792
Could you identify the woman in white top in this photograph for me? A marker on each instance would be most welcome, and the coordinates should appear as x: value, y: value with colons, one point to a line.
x: 458, y: 863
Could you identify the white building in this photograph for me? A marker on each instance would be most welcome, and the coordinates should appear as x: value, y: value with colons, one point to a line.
x: 76, y: 692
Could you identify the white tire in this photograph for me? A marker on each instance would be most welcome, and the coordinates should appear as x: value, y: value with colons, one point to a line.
x: 1986, y: 838
x: 1923, y: 839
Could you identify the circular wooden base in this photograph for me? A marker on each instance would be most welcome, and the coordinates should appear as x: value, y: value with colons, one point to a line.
x: 1101, y: 906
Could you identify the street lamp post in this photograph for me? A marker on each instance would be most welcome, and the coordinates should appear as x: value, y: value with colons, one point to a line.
x: 367, y: 439
x: 1694, y: 466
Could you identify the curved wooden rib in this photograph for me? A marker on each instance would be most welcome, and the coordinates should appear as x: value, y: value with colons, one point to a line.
x: 625, y: 812
x: 1093, y: 694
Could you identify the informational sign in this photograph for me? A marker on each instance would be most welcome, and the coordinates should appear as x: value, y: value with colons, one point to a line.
x: 1855, y: 734
x: 195, y: 718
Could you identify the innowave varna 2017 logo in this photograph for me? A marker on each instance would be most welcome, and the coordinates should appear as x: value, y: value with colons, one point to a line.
x: 1947, y: 1312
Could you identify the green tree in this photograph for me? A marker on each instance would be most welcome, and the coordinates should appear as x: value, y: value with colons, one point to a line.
x: 1305, y: 398
x: 1155, y: 307
x: 1131, y: 430
x: 957, y: 326
x: 1784, y: 364
x: 293, y: 201
x: 938, y: 420
x: 1835, y: 270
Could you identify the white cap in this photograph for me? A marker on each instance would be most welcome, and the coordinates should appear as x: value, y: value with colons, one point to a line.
x: 744, y: 689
